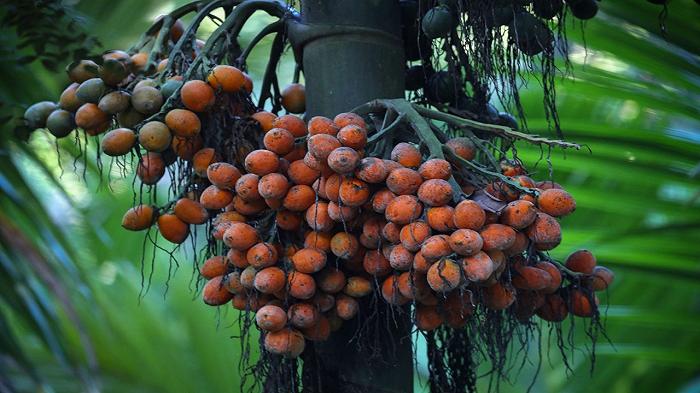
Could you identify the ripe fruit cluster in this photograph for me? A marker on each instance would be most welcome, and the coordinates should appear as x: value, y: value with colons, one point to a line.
x: 389, y: 226
x: 312, y: 225
x: 117, y: 90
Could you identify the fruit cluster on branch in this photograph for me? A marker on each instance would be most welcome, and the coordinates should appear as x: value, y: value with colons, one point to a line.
x: 308, y: 224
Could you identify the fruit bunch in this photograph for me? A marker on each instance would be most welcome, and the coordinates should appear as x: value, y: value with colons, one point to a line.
x: 312, y: 226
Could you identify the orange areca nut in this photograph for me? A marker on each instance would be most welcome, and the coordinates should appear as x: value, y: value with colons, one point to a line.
x: 357, y: 287
x: 466, y: 242
x: 319, y: 240
x: 556, y: 202
x: 343, y: 160
x: 232, y: 282
x: 344, y: 245
x: 151, y: 168
x: 185, y: 148
x: 190, y: 212
x: 214, y: 198
x: 285, y: 342
x: 404, y: 181
x: 372, y: 232
x: 322, y: 125
x: 247, y: 187
x: 341, y: 213
x: 249, y: 208
x: 197, y: 95
x: 226, y: 78
x: 414, y: 234
x: 498, y: 296
x: 580, y: 303
x: 214, y: 266
x: 469, y: 215
x: 400, y: 258
x: 237, y: 258
x: 138, y: 218
x: 331, y: 280
x: 270, y: 280
x: 215, y: 293
x: 420, y: 264
x: 202, y: 159
x: 317, y: 217
x: 444, y: 275
x: 435, y: 168
x: 299, y: 198
x: 309, y: 260
x: 392, y: 233
x: 223, y: 175
x: 441, y: 218
x: 261, y: 162
x: 344, y: 119
x: 292, y: 124
x: 371, y: 170
x: 531, y: 278
x: 300, y: 173
x: 248, y: 85
x: 403, y: 209
x: 554, y: 309
x: 462, y: 147
x: 183, y: 123
x: 273, y: 186
x: 353, y: 136
x: 497, y: 236
x: 271, y: 318
x: 376, y: 264
x: 332, y: 187
x: 518, y: 214
x: 118, y: 142
x: 294, y: 98
x: 545, y: 232
x: 435, y: 192
x: 279, y: 141
x: 248, y: 277
x: 240, y: 236
x: 262, y: 255
x: 346, y: 307
x: 428, y: 318
x: 407, y: 155
x: 91, y: 119
x: 288, y: 220
x: 302, y: 315
x: 554, y: 274
x: 381, y: 199
x: 301, y: 285
x: 320, y: 331
x: 155, y: 136
x: 353, y: 192
x: 478, y: 267
x: 436, y: 247
x: 519, y: 246
x: 391, y: 292
x: 601, y: 278
x: 172, y: 228
x: 582, y: 261
x: 265, y: 119
x: 321, y: 145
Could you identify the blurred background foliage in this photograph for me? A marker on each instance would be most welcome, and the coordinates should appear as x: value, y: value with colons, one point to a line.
x: 71, y: 315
